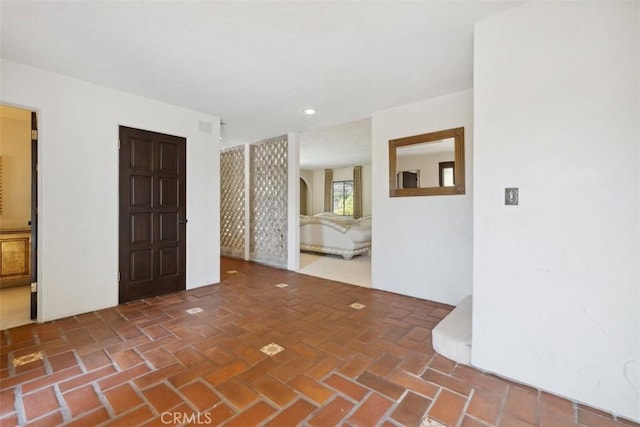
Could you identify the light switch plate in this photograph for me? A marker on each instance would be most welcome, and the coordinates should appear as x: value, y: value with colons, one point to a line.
x: 511, y: 196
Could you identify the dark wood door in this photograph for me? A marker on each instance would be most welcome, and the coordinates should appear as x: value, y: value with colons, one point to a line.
x: 152, y: 214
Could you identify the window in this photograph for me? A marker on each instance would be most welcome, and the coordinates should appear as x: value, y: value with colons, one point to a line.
x: 343, y: 198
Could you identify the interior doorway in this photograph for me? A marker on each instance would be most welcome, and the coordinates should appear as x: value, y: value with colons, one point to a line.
x: 18, y: 216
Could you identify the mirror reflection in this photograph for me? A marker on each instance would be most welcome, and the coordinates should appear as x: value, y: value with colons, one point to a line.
x: 428, y: 164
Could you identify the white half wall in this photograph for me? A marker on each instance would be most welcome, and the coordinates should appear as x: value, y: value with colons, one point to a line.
x: 78, y: 184
x: 557, y: 279
x: 422, y: 245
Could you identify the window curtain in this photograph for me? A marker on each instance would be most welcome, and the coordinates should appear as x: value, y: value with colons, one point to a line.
x: 328, y: 187
x: 357, y: 192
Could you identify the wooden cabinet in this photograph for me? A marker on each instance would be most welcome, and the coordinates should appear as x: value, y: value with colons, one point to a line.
x: 15, y: 254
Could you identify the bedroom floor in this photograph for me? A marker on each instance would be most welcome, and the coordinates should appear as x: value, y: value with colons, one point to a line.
x: 15, y: 307
x: 355, y: 271
x: 152, y: 362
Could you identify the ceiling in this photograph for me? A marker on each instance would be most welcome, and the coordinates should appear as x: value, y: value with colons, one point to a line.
x: 256, y: 64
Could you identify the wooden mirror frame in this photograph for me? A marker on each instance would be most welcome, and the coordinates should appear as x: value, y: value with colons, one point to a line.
x: 457, y: 134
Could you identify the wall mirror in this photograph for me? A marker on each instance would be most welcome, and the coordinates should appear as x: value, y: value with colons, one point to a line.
x: 430, y: 164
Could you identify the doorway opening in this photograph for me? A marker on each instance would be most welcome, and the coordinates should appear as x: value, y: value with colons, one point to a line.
x: 18, y: 216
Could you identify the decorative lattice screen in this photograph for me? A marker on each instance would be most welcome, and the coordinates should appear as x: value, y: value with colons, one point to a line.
x: 268, y: 201
x: 232, y: 200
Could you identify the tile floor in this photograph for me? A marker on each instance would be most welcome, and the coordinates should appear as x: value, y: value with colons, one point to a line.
x: 152, y: 363
x: 15, y: 308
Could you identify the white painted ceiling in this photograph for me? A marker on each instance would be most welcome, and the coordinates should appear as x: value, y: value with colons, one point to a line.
x: 255, y: 64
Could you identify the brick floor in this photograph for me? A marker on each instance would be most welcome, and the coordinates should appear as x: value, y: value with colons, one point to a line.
x: 150, y: 362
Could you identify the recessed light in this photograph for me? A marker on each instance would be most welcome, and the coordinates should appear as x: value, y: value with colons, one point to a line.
x: 309, y: 111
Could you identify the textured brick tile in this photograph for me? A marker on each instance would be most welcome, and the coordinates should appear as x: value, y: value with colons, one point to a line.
x: 355, y: 366
x: 384, y: 365
x: 275, y: 390
x: 123, y: 398
x: 191, y: 373
x: 488, y: 382
x: 158, y: 376
x: 189, y: 357
x: 592, y: 417
x: 381, y: 385
x: 323, y: 367
x: 201, y: 396
x: 36, y: 364
x: 253, y: 416
x: 331, y: 413
x: 442, y: 364
x: 311, y: 388
x: 556, y: 406
x: 471, y: 422
x: 418, y: 334
x: 95, y: 359
x: 485, y: 406
x: 627, y: 422
x: 136, y: 417
x: 447, y: 407
x: 87, y: 378
x: 162, y: 397
x: 220, y: 413
x: 414, y: 383
x: 414, y: 363
x: 508, y: 420
x: 9, y: 421
x: 410, y: 411
x: 10, y: 382
x: 346, y: 387
x: 51, y: 379
x: 126, y: 359
x: 293, y: 415
x: 159, y: 357
x: 7, y: 401
x: 124, y: 376
x: 446, y: 381
x: 81, y: 400
x: 237, y: 393
x: 522, y: 404
x: 156, y: 331
x: 221, y: 375
x: 259, y: 370
x: 49, y: 420
x: 63, y: 361
x: 371, y: 411
x: 39, y: 403
x: 549, y: 420
x: 94, y: 418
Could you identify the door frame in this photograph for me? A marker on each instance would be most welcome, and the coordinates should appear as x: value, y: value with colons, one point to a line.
x: 34, y: 217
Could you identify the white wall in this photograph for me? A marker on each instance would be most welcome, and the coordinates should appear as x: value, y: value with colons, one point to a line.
x: 15, y: 149
x: 339, y: 174
x: 78, y: 185
x: 557, y: 278
x: 422, y: 245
